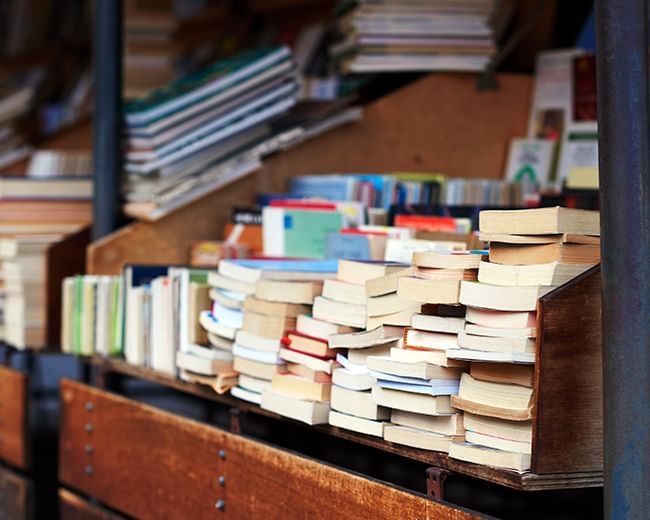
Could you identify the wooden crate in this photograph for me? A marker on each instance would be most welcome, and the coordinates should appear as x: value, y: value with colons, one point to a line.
x: 438, y: 124
x: 14, y: 418
x: 15, y: 495
x: 147, y: 463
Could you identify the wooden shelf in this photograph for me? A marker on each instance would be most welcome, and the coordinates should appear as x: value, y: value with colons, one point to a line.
x: 513, y: 480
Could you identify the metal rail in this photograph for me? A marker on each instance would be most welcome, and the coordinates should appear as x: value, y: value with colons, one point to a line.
x: 623, y: 127
x: 107, y: 156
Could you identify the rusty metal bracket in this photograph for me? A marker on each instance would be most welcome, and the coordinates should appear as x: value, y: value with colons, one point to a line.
x: 235, y: 420
x: 436, y: 482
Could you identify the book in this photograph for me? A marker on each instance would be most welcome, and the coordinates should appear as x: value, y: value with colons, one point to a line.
x: 402, y: 250
x: 253, y: 383
x: 308, y: 345
x: 501, y: 298
x: 315, y: 376
x: 320, y: 329
x: 427, y: 273
x: 448, y: 260
x: 494, y: 332
x: 450, y: 425
x: 498, y: 443
x: 349, y: 314
x: 310, y: 412
x: 489, y: 456
x: 540, y: 221
x: 268, y: 308
x: 382, y: 335
x: 259, y: 356
x: 558, y: 238
x: 359, y: 273
x: 229, y: 299
x: 284, y: 270
x: 530, y: 160
x: 358, y: 381
x: 523, y: 375
x: 493, y: 357
x: 525, y: 254
x: 396, y: 319
x: 273, y: 327
x: 257, y: 369
x: 520, y: 343
x: 416, y: 403
x: 253, y: 341
x: 357, y: 403
x: 501, y: 319
x: 423, y: 339
x: 419, y: 370
x: 389, y: 304
x: 298, y: 233
x: 213, y: 326
x: 434, y: 357
x: 246, y: 395
x: 500, y: 400
x: 519, y: 431
x: 440, y: 324
x: 356, y: 424
x: 203, y: 366
x: 416, y: 438
x: 287, y: 292
x: 345, y: 292
x: 314, y: 363
x: 429, y: 291
x: 359, y: 356
x: 34, y: 188
x: 230, y: 284
x: 296, y: 386
x: 553, y: 273
x: 386, y: 284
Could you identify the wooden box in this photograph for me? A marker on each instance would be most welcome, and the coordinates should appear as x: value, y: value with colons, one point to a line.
x: 14, y: 418
x: 16, y: 494
x: 147, y: 463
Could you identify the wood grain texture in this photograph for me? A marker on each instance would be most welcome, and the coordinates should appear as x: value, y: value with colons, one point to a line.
x: 440, y: 123
x: 568, y: 423
x: 75, y: 507
x: 65, y: 258
x: 168, y: 467
x: 14, y: 418
x: 15, y: 495
x: 511, y: 479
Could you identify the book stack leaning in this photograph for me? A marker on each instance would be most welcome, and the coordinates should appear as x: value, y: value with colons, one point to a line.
x: 531, y: 253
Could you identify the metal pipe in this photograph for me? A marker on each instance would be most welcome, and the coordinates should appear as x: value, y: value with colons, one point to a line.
x: 623, y: 138
x: 107, y: 158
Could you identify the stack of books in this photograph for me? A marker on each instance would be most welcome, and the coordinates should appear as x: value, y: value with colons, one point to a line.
x: 187, y: 138
x: 398, y: 36
x: 361, y: 297
x: 498, y: 337
x: 34, y: 215
x: 416, y: 379
x: 14, y: 103
x: 272, y: 294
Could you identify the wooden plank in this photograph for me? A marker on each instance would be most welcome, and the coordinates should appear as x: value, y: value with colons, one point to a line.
x: 14, y: 418
x: 440, y: 123
x: 167, y: 466
x: 511, y: 479
x: 65, y: 258
x: 75, y: 507
x: 15, y: 495
x: 568, y: 424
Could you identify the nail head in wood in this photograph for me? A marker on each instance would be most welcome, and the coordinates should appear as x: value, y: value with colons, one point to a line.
x: 90, y: 406
x: 222, y: 454
x: 220, y: 505
x: 89, y: 470
x: 222, y: 480
x: 88, y: 449
x: 88, y: 427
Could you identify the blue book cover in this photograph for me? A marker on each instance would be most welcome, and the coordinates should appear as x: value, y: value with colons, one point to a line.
x: 300, y: 266
x: 328, y: 187
x: 347, y: 247
x: 450, y: 389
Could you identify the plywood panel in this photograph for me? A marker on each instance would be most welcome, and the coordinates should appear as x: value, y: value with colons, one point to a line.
x: 568, y: 430
x: 440, y: 123
x: 170, y: 467
x: 15, y: 495
x: 14, y: 415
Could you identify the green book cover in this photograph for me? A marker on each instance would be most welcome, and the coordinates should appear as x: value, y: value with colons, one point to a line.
x: 116, y: 320
x: 306, y: 232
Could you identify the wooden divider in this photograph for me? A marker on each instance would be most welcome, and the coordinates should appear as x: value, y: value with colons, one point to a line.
x: 15, y: 496
x: 14, y: 418
x: 568, y: 422
x: 438, y: 124
x: 148, y: 463
x: 75, y: 507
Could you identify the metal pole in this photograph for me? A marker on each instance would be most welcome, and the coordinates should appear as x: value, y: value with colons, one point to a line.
x: 623, y: 128
x: 108, y: 106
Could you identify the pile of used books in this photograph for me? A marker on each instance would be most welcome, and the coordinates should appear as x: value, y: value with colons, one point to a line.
x: 398, y: 36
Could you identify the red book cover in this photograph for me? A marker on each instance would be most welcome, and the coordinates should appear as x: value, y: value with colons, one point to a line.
x: 426, y: 223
